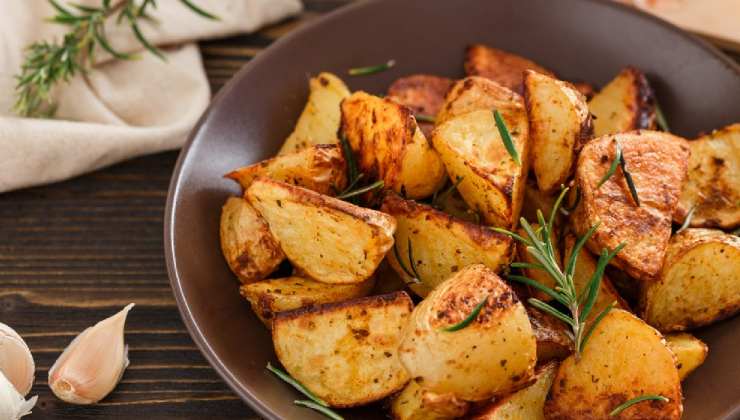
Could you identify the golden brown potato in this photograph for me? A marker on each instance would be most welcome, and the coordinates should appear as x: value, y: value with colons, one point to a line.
x: 525, y: 404
x: 713, y: 184
x: 249, y: 248
x: 455, y: 206
x: 492, y: 355
x: 318, y: 167
x: 534, y: 200
x: 626, y: 103
x: 472, y: 150
x: 477, y: 93
x: 559, y: 124
x: 586, y: 89
x: 423, y: 93
x: 330, y: 240
x: 624, y: 358
x: 500, y: 66
x: 319, y: 122
x: 699, y: 283
x: 345, y: 353
x: 441, y: 244
x: 390, y: 146
x: 416, y: 403
x: 553, y: 342
x: 269, y: 297
x: 541, y: 276
x: 657, y: 162
x: 690, y: 352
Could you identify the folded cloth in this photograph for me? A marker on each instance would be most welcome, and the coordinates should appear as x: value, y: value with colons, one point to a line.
x: 122, y: 108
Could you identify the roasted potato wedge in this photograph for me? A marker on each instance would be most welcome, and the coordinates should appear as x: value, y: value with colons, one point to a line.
x: 699, y: 283
x: 416, y: 403
x: 492, y: 183
x: 713, y: 185
x: 690, y: 352
x: 525, y: 404
x: 551, y: 334
x: 492, y: 355
x: 500, y: 66
x: 249, y: 248
x: 440, y: 244
x: 330, y: 240
x: 319, y: 167
x: 345, y: 353
x: 624, y: 358
x: 477, y: 93
x: 319, y: 121
x: 390, y: 146
x: 534, y: 200
x: 540, y: 275
x: 455, y: 206
x: 624, y: 104
x: 268, y: 297
x: 657, y: 162
x: 559, y: 124
x: 423, y: 93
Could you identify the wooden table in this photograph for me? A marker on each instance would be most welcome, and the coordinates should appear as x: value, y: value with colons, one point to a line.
x: 76, y: 252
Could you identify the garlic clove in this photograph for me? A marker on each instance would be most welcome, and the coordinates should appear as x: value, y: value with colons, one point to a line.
x: 12, y: 404
x: 16, y: 361
x: 93, y: 363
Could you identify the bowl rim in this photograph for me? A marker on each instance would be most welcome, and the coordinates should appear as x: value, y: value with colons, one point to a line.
x: 191, y: 325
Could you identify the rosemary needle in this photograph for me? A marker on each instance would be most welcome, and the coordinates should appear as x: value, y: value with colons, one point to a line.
x: 468, y: 319
x: 362, y: 71
x: 687, y: 221
x: 506, y: 136
x: 425, y: 118
x: 320, y: 408
x: 629, y: 403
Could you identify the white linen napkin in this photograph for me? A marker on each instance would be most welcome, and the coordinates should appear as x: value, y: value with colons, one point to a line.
x: 122, y: 109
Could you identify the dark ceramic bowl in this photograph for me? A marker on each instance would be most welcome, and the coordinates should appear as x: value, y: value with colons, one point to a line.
x: 698, y: 88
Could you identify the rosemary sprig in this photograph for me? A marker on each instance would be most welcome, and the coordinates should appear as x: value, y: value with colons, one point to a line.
x: 579, y: 304
x: 315, y: 402
x: 660, y: 118
x: 629, y: 403
x: 468, y: 319
x: 320, y: 408
x: 362, y: 71
x: 438, y: 200
x: 506, y: 136
x: 353, y: 193
x: 425, y: 118
x: 687, y: 221
x: 46, y: 64
x: 413, y: 272
x: 620, y: 161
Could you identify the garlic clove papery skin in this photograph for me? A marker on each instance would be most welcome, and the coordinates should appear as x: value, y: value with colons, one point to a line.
x: 16, y: 361
x: 12, y: 404
x: 93, y: 363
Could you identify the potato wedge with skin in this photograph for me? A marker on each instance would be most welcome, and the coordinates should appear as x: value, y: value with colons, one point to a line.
x: 269, y: 297
x: 624, y: 104
x: 390, y: 146
x: 625, y: 358
x: 476, y: 93
x: 455, y: 206
x: 699, y: 283
x: 713, y: 184
x: 320, y: 168
x: 423, y: 93
x: 345, y: 353
x: 551, y: 334
x: 472, y: 149
x: 657, y: 162
x: 441, y: 244
x: 525, y: 404
x: 320, y: 118
x: 541, y: 276
x: 249, y: 248
x: 416, y: 403
x: 690, y: 352
x: 330, y: 240
x: 559, y: 124
x: 500, y: 66
x: 493, y: 355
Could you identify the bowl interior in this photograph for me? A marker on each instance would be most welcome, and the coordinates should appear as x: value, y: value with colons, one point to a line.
x: 580, y: 40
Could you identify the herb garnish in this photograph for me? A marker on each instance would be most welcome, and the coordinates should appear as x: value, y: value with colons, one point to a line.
x: 413, y: 273
x: 613, y: 166
x: 506, y: 136
x: 660, y: 118
x: 352, y: 193
x: 354, y: 176
x: 619, y: 160
x: 438, y: 201
x: 629, y: 403
x: 469, y: 319
x: 425, y: 118
x: 315, y: 402
x: 580, y: 305
x: 48, y: 63
x: 362, y: 71
x: 687, y: 220
x: 630, y: 181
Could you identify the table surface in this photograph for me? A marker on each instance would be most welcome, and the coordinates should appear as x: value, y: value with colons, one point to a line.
x: 78, y: 251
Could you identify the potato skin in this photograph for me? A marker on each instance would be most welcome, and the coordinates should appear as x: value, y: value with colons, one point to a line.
x: 658, y: 163
x: 476, y: 93
x: 699, y: 283
x: 441, y: 244
x: 249, y: 248
x: 624, y: 104
x: 553, y: 342
x: 390, y: 146
x: 500, y: 66
x: 525, y: 404
x: 422, y: 93
x: 493, y: 355
x: 268, y: 297
x: 416, y: 403
x: 319, y: 167
x: 330, y: 240
x: 713, y: 184
x: 624, y: 358
x: 690, y: 352
x: 345, y: 353
x: 320, y: 118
